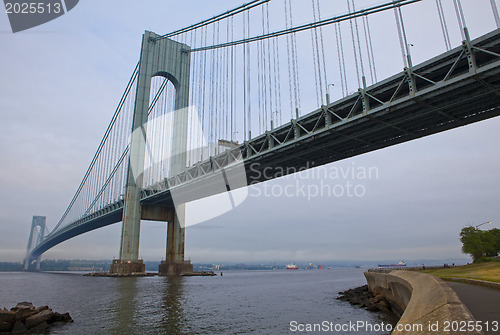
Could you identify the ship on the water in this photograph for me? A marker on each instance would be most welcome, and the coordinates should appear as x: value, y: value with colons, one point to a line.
x: 392, y: 265
x: 292, y: 266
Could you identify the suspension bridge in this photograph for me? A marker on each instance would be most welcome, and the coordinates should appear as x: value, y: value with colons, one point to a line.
x: 185, y: 127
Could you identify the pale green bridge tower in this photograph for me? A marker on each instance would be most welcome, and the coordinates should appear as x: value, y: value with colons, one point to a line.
x: 169, y: 59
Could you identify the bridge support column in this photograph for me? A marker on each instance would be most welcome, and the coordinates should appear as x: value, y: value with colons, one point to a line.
x: 159, y: 57
x: 174, y: 263
x: 36, y: 237
x: 38, y: 261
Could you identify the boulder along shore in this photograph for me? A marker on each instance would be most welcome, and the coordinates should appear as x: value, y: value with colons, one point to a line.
x: 26, y: 317
x: 362, y: 297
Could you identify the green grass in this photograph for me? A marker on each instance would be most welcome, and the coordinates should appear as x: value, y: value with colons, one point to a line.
x: 489, y: 271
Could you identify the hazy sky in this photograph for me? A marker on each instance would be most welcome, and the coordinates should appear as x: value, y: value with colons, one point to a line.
x: 60, y: 84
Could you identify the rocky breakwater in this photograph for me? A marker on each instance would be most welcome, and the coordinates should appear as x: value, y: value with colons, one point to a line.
x: 362, y: 297
x: 26, y: 317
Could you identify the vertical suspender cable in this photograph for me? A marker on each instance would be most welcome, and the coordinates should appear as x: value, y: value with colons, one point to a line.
x: 354, y: 45
x: 339, y: 59
x: 196, y: 77
x: 264, y: 74
x: 371, y: 48
x: 228, y: 89
x: 359, y: 42
x: 249, y: 114
x: 233, y: 83
x: 231, y: 75
x: 278, y: 79
x: 224, y: 91
x: 203, y: 100
x: 275, y: 72
x: 248, y: 104
x: 322, y: 45
x: 400, y: 34
x: 211, y: 97
x: 316, y: 61
x: 460, y: 17
x: 269, y: 73
x: 217, y: 90
x: 368, y: 52
x: 403, y: 30
x: 244, y: 82
x: 295, y: 66
x: 259, y: 83
x: 193, y: 79
x: 495, y: 12
x: 217, y: 94
x: 289, y: 54
x: 444, y: 26
x: 343, y: 59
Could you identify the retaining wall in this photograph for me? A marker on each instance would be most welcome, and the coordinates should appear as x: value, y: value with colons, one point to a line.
x: 424, y: 300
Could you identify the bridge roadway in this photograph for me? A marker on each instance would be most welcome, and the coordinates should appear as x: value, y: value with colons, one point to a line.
x: 442, y: 93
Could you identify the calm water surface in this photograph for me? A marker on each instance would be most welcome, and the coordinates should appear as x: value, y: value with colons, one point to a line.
x: 239, y: 302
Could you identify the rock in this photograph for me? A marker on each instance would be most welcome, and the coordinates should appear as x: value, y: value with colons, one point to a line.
x: 41, y: 308
x: 62, y: 317
x: 19, y: 328
x: 363, y: 298
x: 384, y: 304
x: 38, y: 318
x: 6, y: 316
x: 22, y: 305
x: 41, y: 326
x: 6, y: 326
x: 25, y: 317
x: 67, y: 317
x: 24, y: 313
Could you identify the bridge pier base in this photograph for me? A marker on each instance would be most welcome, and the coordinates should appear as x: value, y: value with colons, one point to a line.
x: 128, y: 267
x: 174, y: 268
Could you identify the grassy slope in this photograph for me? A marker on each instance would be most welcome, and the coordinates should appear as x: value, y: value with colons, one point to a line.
x: 486, y: 271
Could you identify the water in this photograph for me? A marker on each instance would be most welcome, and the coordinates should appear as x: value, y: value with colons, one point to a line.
x: 239, y: 302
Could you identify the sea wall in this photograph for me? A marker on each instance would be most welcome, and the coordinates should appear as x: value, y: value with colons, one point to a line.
x: 428, y: 304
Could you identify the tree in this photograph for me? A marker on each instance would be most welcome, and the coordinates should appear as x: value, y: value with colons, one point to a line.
x: 480, y: 243
x: 496, y: 237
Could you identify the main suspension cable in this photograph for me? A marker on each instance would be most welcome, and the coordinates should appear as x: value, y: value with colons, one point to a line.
x: 216, y: 18
x: 294, y: 30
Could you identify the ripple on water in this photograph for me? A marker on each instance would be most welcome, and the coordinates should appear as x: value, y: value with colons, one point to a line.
x: 240, y: 302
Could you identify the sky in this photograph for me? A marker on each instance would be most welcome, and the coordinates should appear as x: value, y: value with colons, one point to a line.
x: 60, y: 84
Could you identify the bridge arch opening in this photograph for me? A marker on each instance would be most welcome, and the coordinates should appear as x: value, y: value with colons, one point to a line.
x: 159, y: 127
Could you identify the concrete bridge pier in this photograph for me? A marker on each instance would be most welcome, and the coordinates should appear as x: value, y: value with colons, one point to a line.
x: 174, y: 263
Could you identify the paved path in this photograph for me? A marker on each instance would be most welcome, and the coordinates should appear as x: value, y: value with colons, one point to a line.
x: 482, y: 302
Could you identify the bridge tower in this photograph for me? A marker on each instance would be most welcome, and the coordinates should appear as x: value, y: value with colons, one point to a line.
x: 36, y: 237
x: 167, y: 58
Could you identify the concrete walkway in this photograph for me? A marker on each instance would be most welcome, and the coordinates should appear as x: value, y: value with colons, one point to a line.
x: 482, y: 302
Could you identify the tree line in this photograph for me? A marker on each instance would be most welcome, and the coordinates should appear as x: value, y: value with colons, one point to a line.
x: 480, y: 244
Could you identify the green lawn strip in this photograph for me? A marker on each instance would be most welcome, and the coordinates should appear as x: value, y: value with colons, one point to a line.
x: 485, y: 271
